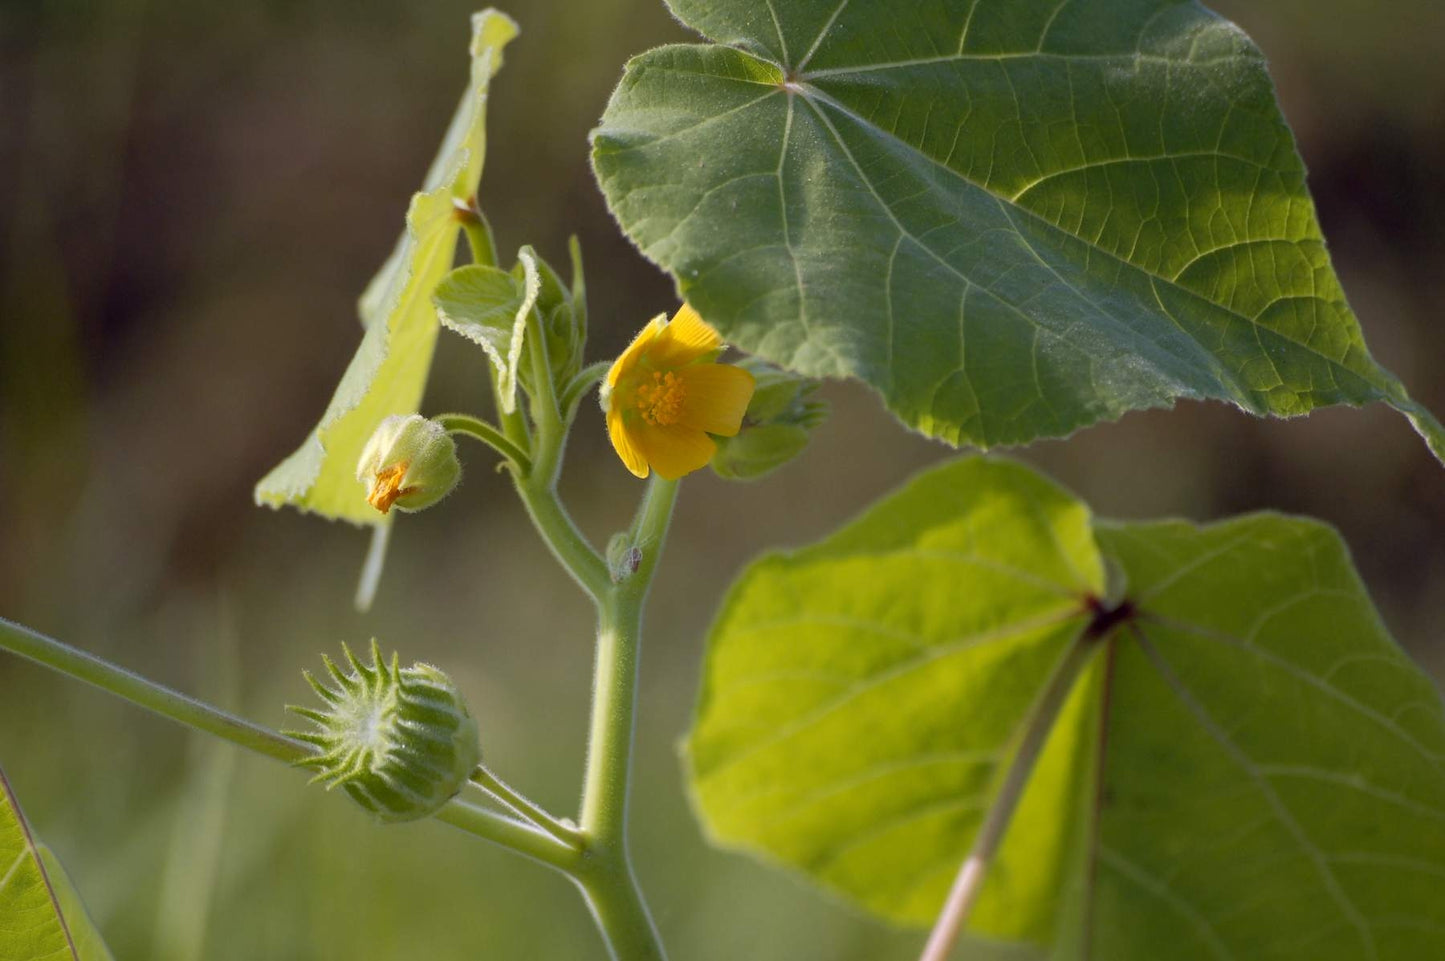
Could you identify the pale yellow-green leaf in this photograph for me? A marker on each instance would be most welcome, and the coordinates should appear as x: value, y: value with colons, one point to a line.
x: 41, y: 915
x: 1248, y: 767
x: 388, y: 373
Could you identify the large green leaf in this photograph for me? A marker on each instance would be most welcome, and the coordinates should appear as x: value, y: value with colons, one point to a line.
x: 388, y: 373
x: 1012, y: 218
x: 1248, y: 766
x: 41, y: 916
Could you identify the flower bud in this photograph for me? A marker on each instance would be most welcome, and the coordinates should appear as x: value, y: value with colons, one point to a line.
x: 399, y: 741
x: 776, y: 427
x: 410, y: 463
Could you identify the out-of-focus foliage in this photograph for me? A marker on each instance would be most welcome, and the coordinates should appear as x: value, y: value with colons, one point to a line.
x: 185, y: 185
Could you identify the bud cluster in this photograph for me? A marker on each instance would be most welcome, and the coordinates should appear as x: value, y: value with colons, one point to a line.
x: 779, y: 420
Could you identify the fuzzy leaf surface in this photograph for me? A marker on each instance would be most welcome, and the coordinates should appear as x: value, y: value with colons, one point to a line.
x: 1012, y: 218
x: 489, y: 307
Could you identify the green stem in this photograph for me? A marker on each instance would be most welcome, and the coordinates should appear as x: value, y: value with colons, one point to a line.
x: 619, y: 639
x: 483, y: 778
x: 480, y: 430
x: 148, y: 694
x: 562, y: 537
x: 538, y: 490
x: 579, y: 385
x: 1034, y: 734
x: 514, y: 424
x: 479, y: 235
x: 172, y: 704
x: 512, y: 834
x: 610, y: 886
x: 616, y: 903
x: 546, y: 412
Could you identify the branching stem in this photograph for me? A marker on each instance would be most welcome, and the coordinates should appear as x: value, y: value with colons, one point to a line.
x: 484, y: 778
x: 611, y: 889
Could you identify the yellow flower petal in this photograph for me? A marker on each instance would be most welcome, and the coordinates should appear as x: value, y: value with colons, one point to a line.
x: 715, y: 397
x: 671, y: 451
x: 686, y: 339
x: 622, y: 443
x: 628, y: 359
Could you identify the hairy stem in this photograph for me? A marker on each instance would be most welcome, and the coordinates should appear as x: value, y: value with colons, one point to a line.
x: 482, y: 244
x: 619, y: 640
x: 479, y: 430
x: 610, y: 887
x: 489, y: 782
x: 563, y: 539
x: 1033, y: 736
x: 148, y: 694
x: 616, y: 903
x: 579, y: 385
x: 200, y: 716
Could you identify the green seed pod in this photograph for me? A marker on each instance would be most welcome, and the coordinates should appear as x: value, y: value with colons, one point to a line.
x: 778, y: 423
x: 399, y: 741
x: 410, y: 463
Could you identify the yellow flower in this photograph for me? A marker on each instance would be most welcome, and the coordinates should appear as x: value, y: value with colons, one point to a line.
x: 665, y: 395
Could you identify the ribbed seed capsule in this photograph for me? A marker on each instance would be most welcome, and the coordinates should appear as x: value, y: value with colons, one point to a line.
x: 399, y: 741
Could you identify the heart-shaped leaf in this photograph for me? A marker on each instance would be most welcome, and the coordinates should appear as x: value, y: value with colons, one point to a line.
x: 1012, y: 218
x: 1247, y: 767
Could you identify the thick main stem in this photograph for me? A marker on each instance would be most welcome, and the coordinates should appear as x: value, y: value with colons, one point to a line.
x: 611, y: 888
x: 1035, y: 733
x: 616, y: 903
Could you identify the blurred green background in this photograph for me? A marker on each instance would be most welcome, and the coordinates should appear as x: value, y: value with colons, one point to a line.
x: 192, y: 195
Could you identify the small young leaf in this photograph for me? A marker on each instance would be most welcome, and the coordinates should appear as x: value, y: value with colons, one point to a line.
x: 41, y: 915
x: 1012, y: 218
x: 388, y: 373
x: 489, y: 307
x: 1248, y: 768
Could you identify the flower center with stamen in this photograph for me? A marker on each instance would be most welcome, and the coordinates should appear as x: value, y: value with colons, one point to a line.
x: 386, y: 487
x: 659, y: 400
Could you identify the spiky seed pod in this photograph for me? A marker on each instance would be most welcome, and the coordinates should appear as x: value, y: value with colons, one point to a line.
x: 399, y: 741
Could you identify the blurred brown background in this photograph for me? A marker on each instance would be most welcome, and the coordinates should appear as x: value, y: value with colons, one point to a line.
x: 192, y: 195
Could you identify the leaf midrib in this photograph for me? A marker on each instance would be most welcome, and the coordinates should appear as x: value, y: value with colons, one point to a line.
x: 33, y: 850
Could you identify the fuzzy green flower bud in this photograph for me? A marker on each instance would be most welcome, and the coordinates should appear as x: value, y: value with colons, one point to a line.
x: 399, y: 741
x: 410, y: 463
x: 779, y: 421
